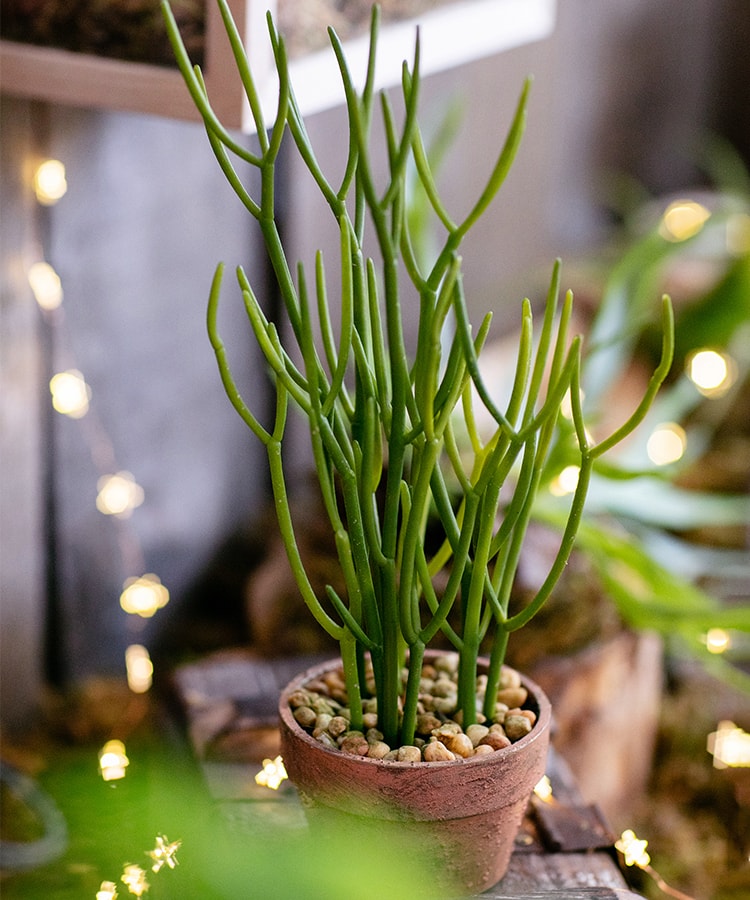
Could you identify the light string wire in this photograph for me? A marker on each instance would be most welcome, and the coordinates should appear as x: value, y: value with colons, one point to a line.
x: 58, y: 358
x: 118, y: 493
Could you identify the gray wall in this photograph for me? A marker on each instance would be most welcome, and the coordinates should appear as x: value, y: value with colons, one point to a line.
x: 135, y: 241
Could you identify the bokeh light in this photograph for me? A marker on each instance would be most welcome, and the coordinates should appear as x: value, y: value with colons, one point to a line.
x: 46, y: 285
x: 50, y: 183
x: 70, y: 393
x: 566, y: 482
x: 144, y: 596
x: 118, y: 495
x: 666, y: 444
x: 711, y: 371
x: 113, y: 760
x: 140, y: 669
x: 682, y: 219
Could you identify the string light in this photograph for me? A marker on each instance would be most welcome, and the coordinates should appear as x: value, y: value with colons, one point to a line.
x: 543, y: 789
x: 666, y: 444
x: 717, y: 640
x: 139, y: 668
x: 730, y: 746
x: 565, y: 482
x: 711, y: 371
x: 50, y: 183
x: 272, y: 774
x: 118, y: 495
x: 682, y: 219
x: 144, y: 596
x: 135, y: 879
x: 634, y: 853
x: 113, y: 761
x: 70, y: 393
x: 46, y: 285
x: 164, y: 853
x: 633, y: 849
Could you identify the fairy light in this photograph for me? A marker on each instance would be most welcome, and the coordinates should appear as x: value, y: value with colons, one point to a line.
x: 70, y: 393
x: 543, y: 789
x: 634, y: 853
x: 272, y: 774
x: 113, y: 761
x: 46, y: 285
x: 566, y: 481
x: 144, y: 596
x: 682, y: 219
x: 135, y: 878
x: 730, y: 746
x: 666, y: 444
x: 717, y: 640
x: 164, y: 853
x: 50, y: 183
x: 118, y: 495
x: 711, y: 371
x: 633, y: 849
x: 139, y: 668
x: 107, y: 891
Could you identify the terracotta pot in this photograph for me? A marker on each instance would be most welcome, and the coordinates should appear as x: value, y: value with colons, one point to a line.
x: 461, y: 816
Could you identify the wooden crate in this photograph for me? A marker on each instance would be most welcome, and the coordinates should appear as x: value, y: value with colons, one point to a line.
x: 62, y: 76
x: 451, y: 35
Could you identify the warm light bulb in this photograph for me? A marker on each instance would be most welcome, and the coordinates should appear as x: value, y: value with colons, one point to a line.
x: 50, y: 183
x: 113, y: 761
x: 144, y: 596
x: 164, y: 853
x: 730, y: 746
x: 135, y: 879
x: 272, y: 774
x: 46, y: 285
x: 118, y: 495
x: 139, y: 668
x: 717, y: 640
x: 633, y: 849
x: 566, y: 482
x: 70, y: 393
x: 682, y: 219
x: 711, y: 371
x: 666, y: 444
x: 543, y: 789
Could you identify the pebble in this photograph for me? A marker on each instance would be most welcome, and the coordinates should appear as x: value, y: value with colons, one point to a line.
x: 321, y: 709
x: 516, y: 727
x: 436, y: 751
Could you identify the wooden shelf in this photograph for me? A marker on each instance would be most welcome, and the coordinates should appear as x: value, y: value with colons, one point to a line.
x: 77, y: 79
x: 451, y: 35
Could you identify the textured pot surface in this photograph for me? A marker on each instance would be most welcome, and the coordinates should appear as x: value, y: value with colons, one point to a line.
x: 463, y: 815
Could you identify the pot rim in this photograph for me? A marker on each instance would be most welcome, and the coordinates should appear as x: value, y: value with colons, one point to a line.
x: 543, y: 710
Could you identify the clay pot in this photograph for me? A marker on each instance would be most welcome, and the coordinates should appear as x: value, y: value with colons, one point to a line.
x: 461, y: 817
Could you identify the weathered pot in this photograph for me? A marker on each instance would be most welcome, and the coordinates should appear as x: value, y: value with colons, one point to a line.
x: 462, y: 816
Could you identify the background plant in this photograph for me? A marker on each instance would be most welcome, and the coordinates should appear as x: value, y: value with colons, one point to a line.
x: 381, y: 419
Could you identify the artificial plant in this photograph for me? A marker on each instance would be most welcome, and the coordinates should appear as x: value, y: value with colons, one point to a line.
x: 382, y: 419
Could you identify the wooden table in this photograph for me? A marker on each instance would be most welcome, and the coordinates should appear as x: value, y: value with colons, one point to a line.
x: 564, y: 849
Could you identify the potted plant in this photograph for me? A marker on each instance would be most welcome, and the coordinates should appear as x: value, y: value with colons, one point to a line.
x: 389, y: 426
